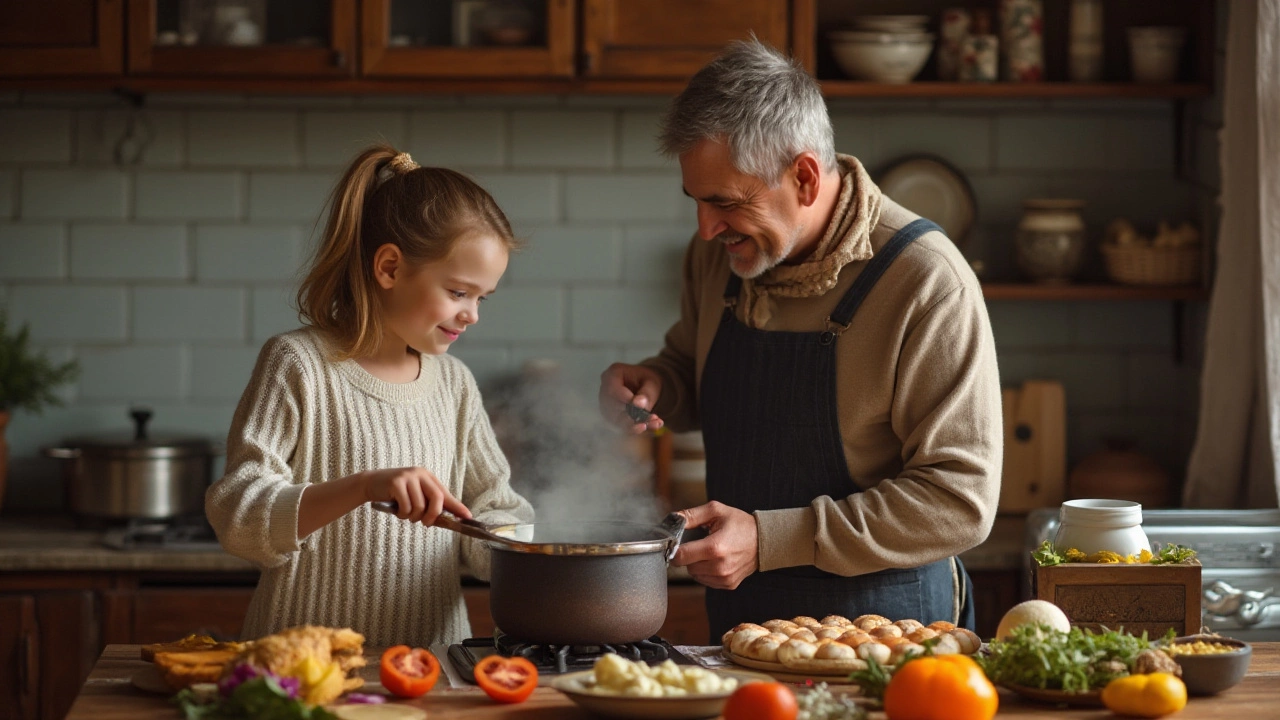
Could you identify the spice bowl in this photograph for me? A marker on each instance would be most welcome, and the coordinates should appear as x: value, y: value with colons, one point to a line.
x: 1211, y: 673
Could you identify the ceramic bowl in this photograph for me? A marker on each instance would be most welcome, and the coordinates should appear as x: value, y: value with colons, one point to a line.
x: 891, y: 60
x: 891, y: 23
x: 1211, y: 674
x: 1155, y: 53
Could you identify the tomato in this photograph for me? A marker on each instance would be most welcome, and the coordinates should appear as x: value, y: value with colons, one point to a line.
x: 506, y: 679
x: 761, y: 701
x: 408, y: 673
x: 1148, y: 696
x: 944, y: 687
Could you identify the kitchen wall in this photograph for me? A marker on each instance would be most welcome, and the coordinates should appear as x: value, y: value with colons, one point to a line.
x: 164, y: 277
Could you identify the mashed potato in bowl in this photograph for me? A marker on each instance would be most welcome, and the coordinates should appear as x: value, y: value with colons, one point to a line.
x: 614, y: 675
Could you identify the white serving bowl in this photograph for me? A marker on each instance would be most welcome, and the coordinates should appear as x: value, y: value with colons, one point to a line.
x: 891, y: 61
x: 877, y: 36
x: 891, y: 23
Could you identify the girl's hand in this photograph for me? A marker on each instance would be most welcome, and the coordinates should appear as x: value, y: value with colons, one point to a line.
x: 419, y: 494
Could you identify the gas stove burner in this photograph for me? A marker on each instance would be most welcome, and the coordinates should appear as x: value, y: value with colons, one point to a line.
x: 177, y: 534
x: 558, y: 659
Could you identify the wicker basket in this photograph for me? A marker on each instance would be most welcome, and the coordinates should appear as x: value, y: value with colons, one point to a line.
x: 1148, y: 265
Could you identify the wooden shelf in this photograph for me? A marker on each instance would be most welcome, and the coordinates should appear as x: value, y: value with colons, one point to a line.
x: 1028, y: 291
x: 1009, y: 90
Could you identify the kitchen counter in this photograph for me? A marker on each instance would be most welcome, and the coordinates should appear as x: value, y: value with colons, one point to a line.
x: 108, y: 695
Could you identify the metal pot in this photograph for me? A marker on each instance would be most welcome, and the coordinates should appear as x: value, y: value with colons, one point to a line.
x: 588, y: 583
x: 137, y: 476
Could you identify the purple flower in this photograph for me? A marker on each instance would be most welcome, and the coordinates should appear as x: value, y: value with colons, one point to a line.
x: 240, y: 673
x: 290, y: 685
x: 366, y: 699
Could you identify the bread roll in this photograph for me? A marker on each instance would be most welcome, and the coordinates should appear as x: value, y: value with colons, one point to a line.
x: 874, y: 651
x: 765, y: 647
x: 806, y: 621
x: 829, y: 632
x: 782, y: 626
x: 793, y: 650
x: 804, y: 634
x: 942, y: 626
x: 867, y: 622
x: 921, y: 634
x: 968, y: 640
x: 908, y: 626
x: 900, y: 653
x: 885, y: 631
x: 743, y: 638
x: 727, y: 638
x: 837, y: 621
x: 946, y: 644
x: 829, y: 657
x: 854, y: 637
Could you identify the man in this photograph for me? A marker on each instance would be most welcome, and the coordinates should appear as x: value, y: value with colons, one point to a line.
x: 835, y: 349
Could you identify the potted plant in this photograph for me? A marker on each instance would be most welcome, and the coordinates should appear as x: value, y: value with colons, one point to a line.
x: 27, y: 380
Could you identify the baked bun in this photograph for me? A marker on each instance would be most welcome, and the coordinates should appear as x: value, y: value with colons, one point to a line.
x: 782, y: 626
x: 921, y: 634
x: 794, y: 650
x: 806, y: 621
x: 765, y: 647
x: 804, y: 634
x: 946, y: 644
x: 904, y: 649
x: 728, y: 636
x: 837, y: 621
x: 743, y: 638
x: 942, y: 626
x: 968, y: 640
x: 908, y: 626
x: 830, y: 657
x: 867, y: 622
x: 885, y: 631
x: 874, y: 651
x: 854, y: 637
x: 828, y: 632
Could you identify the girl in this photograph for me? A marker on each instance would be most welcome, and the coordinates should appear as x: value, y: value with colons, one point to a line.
x: 363, y: 404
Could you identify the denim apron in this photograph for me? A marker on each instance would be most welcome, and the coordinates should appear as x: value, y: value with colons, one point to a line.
x: 772, y: 436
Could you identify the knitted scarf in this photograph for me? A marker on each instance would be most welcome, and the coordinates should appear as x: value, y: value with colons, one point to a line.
x: 848, y: 239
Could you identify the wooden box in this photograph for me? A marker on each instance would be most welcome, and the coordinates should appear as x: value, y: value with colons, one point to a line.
x: 1137, y: 598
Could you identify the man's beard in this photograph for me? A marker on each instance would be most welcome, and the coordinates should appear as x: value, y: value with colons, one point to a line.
x: 749, y: 269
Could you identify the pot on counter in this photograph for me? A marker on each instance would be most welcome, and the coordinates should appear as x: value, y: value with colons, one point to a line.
x: 138, y: 476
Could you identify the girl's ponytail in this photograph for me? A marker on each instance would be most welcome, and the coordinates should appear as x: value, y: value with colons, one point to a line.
x: 336, y: 296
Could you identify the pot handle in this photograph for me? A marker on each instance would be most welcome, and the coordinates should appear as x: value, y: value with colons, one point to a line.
x: 62, y: 453
x: 674, y: 524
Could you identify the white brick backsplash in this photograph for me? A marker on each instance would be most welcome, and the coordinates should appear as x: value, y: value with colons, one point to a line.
x: 35, y: 136
x: 962, y: 140
x: 160, y: 135
x: 1047, y: 141
x: 580, y: 369
x: 242, y: 138
x: 138, y: 372
x: 74, y: 194
x: 487, y: 363
x: 1130, y: 325
x: 654, y: 253
x: 32, y: 251
x: 188, y: 313
x: 55, y: 425
x: 221, y: 373
x: 333, y: 139
x: 274, y: 312
x: 252, y: 252
x: 857, y: 134
x: 459, y: 138
x: 8, y: 193
x: 515, y: 314
x: 189, y: 195
x: 80, y: 313
x: 640, y: 141
x: 1140, y: 142
x: 1025, y: 325
x: 569, y: 253
x: 624, y: 197
x: 128, y: 252
x: 622, y: 314
x: 562, y: 139
x: 289, y: 196
x: 524, y: 198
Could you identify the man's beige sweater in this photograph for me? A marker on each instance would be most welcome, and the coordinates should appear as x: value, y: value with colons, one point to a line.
x: 919, y: 406
x: 304, y: 419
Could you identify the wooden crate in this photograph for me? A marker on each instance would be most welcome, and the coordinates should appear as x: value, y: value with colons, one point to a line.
x: 1151, y: 598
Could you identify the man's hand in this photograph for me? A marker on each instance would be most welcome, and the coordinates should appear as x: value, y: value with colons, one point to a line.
x: 728, y: 554
x: 636, y: 384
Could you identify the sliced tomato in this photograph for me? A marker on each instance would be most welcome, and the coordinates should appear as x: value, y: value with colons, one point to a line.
x: 506, y: 679
x: 408, y: 672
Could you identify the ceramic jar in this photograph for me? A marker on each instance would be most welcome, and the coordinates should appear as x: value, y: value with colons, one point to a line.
x: 1094, y: 524
x: 1022, y: 38
x: 1050, y: 241
x: 979, y: 51
x: 1084, y: 44
x: 952, y: 32
x: 1155, y: 53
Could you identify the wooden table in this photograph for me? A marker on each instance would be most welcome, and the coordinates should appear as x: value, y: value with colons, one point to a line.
x: 108, y: 695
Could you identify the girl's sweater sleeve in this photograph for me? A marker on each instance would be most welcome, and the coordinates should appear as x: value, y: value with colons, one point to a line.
x: 486, y: 489
x: 253, y: 508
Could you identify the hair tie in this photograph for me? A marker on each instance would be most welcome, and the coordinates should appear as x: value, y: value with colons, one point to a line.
x: 398, y: 165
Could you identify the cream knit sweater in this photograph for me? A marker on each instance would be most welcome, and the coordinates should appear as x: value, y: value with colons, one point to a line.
x: 304, y: 419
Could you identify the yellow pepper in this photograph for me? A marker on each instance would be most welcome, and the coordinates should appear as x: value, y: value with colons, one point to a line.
x: 1148, y: 696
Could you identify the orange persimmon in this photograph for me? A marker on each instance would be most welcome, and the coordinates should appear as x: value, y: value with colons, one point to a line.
x: 943, y: 687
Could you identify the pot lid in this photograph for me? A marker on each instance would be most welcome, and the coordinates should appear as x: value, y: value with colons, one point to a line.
x: 141, y: 442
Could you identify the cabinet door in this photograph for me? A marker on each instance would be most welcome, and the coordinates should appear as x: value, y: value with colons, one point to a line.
x: 168, y: 614
x: 672, y: 38
x: 70, y: 643
x: 61, y: 37
x: 272, y: 38
x: 19, y: 657
x: 467, y: 38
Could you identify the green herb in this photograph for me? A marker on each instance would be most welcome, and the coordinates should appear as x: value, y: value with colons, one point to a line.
x: 1046, y: 555
x: 873, y: 680
x: 1040, y: 656
x: 261, y: 698
x: 820, y: 704
x: 27, y: 379
x: 1172, y: 554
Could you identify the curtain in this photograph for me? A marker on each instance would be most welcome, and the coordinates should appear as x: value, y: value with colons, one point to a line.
x: 1234, y: 462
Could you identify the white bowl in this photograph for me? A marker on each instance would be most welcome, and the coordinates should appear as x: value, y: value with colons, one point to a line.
x: 876, y: 36
x: 889, y: 23
x: 883, y: 62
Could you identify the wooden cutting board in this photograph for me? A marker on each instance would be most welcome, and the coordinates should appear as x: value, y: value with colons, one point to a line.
x: 1035, y: 447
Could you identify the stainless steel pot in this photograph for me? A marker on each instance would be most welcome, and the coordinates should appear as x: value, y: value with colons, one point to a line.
x: 136, y: 476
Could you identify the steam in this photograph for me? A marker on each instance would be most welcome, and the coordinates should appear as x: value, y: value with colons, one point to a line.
x: 566, y: 460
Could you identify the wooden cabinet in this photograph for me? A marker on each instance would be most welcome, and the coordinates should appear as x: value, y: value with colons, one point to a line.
x: 71, y: 38
x: 994, y: 592
x: 302, y: 38
x: 672, y: 38
x: 49, y: 641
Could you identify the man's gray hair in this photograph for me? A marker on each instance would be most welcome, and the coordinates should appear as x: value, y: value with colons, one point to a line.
x: 762, y: 104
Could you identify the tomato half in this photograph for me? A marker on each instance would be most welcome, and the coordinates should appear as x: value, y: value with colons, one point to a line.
x: 506, y: 679
x: 762, y: 701
x: 408, y: 672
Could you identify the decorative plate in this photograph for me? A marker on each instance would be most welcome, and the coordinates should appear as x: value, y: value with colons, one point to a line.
x: 688, y: 707
x: 932, y: 188
x: 1092, y: 698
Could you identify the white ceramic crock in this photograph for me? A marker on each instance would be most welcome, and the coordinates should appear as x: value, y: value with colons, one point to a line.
x: 1093, y: 525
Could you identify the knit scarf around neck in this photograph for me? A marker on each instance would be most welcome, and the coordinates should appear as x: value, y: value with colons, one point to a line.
x: 847, y: 239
